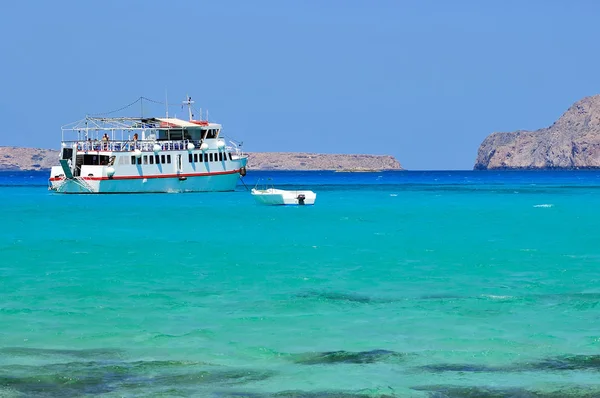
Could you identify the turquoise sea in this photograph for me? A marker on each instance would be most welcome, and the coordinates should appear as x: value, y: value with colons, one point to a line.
x: 395, y: 284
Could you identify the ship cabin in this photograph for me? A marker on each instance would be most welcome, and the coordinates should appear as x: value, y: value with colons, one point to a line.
x: 170, y: 129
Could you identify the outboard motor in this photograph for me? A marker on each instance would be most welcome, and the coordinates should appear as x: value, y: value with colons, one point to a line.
x: 301, y: 198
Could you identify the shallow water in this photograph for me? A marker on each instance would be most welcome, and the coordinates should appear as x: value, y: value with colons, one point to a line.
x: 417, y: 284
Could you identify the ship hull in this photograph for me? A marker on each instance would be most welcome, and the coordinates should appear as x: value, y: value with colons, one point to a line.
x: 207, y: 182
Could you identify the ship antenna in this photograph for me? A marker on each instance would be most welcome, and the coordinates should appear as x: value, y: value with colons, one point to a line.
x: 189, y: 103
x: 167, y: 102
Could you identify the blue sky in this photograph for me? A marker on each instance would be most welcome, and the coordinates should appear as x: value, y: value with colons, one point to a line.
x: 425, y: 81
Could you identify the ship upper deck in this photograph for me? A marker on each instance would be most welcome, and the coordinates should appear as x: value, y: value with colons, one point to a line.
x: 144, y: 134
x: 125, y: 128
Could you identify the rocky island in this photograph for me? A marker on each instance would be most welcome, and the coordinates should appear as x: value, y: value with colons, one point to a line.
x: 17, y: 158
x: 314, y: 161
x: 572, y: 142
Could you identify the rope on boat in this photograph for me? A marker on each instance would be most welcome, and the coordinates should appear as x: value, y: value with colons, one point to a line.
x: 242, y: 180
x: 120, y: 109
x: 132, y: 104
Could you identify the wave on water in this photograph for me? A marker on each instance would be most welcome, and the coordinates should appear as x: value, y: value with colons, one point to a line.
x: 544, y: 205
x: 495, y: 297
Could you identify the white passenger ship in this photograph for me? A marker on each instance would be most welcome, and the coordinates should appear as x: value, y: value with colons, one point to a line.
x: 135, y: 155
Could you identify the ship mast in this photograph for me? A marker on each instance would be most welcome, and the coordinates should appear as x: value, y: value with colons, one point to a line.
x: 189, y: 103
x: 167, y: 103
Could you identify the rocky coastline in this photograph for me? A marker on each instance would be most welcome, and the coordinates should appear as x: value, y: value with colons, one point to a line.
x: 20, y: 158
x: 572, y: 142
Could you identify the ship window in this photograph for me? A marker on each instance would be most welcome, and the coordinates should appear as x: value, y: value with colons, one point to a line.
x: 95, y: 160
x: 206, y: 157
x: 139, y: 160
x: 133, y: 160
x: 169, y: 159
x: 195, y: 158
x: 145, y: 159
x: 190, y: 157
x: 176, y: 135
x: 210, y: 157
x: 151, y: 159
x: 162, y: 158
x: 230, y: 158
x: 157, y: 157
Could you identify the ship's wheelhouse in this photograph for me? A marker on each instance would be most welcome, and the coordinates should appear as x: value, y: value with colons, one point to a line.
x: 175, y: 129
x: 191, y: 134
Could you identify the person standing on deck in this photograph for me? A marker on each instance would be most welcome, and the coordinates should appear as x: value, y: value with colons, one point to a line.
x: 105, y: 141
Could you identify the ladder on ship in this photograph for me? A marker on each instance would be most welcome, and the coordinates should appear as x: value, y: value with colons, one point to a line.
x: 74, y: 178
x: 79, y: 181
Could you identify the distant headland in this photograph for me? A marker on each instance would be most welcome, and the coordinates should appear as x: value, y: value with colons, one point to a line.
x: 572, y: 142
x: 19, y: 158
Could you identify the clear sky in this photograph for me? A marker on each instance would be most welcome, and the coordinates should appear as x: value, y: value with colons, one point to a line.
x: 425, y: 81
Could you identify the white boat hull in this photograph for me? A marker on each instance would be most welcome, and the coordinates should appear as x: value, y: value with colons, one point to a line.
x: 215, y: 182
x: 280, y: 197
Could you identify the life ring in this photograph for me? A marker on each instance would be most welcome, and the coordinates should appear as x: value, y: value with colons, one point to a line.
x: 243, y: 171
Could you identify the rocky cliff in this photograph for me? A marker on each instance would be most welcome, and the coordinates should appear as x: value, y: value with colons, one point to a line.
x: 573, y: 141
x: 15, y: 158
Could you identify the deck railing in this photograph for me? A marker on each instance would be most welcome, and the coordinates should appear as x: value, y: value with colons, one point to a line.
x: 132, y: 145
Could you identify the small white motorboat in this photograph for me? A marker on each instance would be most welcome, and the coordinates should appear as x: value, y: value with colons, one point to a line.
x: 274, y: 197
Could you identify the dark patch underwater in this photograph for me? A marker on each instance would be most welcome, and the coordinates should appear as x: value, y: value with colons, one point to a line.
x: 561, y: 363
x: 91, y: 378
x: 448, y: 391
x: 302, y: 394
x: 337, y: 357
x: 332, y: 296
